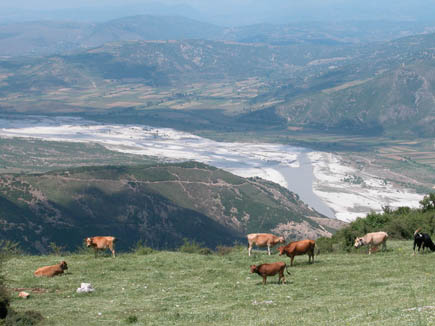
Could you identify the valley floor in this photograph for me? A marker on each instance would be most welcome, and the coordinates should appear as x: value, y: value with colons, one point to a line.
x: 173, y: 288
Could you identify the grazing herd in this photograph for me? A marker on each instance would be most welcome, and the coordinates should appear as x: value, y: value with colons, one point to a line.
x: 296, y: 248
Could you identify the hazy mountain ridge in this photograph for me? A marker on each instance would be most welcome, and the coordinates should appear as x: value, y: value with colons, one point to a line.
x: 297, y: 85
x: 159, y: 204
x: 46, y: 37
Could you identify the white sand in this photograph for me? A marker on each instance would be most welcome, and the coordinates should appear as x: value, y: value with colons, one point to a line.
x: 350, y: 200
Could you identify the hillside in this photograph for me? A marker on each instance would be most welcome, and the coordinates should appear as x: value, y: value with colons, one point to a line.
x: 376, y: 89
x: 159, y: 204
x: 175, y: 288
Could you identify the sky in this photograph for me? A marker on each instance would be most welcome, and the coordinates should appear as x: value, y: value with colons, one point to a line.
x: 222, y: 12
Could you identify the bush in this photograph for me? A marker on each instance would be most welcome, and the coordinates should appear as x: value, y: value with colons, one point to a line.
x: 10, y: 248
x: 56, y: 249
x: 223, y: 250
x: 142, y: 249
x: 131, y: 319
x: 27, y: 318
x: 193, y: 247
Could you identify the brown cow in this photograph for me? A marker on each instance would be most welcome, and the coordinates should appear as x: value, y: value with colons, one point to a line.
x: 372, y: 240
x: 266, y: 270
x: 51, y: 271
x: 263, y: 240
x: 297, y: 248
x: 101, y: 243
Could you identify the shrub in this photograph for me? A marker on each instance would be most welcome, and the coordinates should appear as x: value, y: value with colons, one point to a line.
x: 131, y: 319
x: 223, y: 250
x: 142, y: 249
x: 193, y: 247
x: 56, y: 249
x: 10, y: 248
x: 27, y: 318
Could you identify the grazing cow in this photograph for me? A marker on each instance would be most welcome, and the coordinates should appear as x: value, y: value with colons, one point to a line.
x: 373, y: 239
x: 297, y: 248
x: 263, y: 240
x: 266, y: 270
x: 51, y: 271
x: 423, y: 239
x: 101, y: 243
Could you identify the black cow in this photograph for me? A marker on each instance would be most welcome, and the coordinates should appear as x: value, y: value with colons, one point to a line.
x: 423, y: 239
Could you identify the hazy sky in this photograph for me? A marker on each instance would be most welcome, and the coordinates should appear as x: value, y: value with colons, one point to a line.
x: 231, y: 12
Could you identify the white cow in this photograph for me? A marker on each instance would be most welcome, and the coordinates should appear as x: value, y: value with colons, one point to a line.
x: 263, y: 240
x: 373, y: 239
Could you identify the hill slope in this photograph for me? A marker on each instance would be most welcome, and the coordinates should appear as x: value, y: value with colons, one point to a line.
x: 160, y: 204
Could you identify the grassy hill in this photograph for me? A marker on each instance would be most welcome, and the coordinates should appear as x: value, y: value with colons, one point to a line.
x: 175, y: 288
x: 159, y: 204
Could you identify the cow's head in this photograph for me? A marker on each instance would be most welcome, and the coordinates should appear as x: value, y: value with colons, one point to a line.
x: 281, y: 250
x: 253, y: 268
x: 281, y: 240
x: 88, y: 242
x: 359, y: 242
x: 63, y: 265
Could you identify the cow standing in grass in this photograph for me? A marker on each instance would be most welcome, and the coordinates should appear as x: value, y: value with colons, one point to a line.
x: 423, y: 239
x: 297, y: 248
x: 265, y: 270
x: 263, y: 240
x: 101, y: 243
x: 372, y: 240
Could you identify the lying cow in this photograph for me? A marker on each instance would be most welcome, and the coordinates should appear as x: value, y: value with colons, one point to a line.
x: 101, y: 243
x: 297, y: 248
x: 372, y: 240
x: 423, y: 239
x: 51, y: 271
x: 272, y: 269
x: 263, y: 240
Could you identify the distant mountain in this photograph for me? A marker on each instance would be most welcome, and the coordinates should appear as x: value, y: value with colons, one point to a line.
x: 386, y: 89
x: 364, y: 89
x: 159, y: 204
x: 151, y: 28
x: 59, y: 37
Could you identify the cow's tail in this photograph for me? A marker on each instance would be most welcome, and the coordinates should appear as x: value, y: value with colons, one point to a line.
x: 416, y: 231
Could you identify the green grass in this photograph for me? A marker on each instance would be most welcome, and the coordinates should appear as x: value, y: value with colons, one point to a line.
x: 173, y: 288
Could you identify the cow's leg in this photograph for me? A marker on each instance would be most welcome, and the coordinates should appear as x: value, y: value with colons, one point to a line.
x: 113, y: 252
x: 264, y: 279
x: 281, y: 276
x: 370, y: 249
x: 95, y: 252
x: 249, y: 249
x: 291, y: 260
x: 268, y: 249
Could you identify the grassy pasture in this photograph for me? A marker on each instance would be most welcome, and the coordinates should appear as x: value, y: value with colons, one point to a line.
x: 173, y: 288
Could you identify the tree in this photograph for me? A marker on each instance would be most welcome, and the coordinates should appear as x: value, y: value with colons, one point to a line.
x: 428, y: 202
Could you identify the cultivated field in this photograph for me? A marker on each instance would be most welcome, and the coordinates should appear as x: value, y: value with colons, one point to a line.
x: 173, y: 288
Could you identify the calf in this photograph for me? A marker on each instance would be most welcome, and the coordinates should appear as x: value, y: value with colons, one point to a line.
x: 297, y: 248
x: 51, y: 271
x: 423, y: 239
x: 263, y: 240
x: 101, y: 243
x: 272, y: 269
x: 372, y: 240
